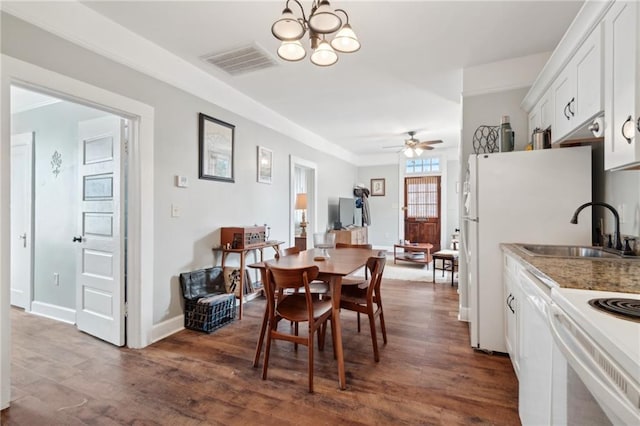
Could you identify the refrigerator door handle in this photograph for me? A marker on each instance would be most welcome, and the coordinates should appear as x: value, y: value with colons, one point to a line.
x: 470, y: 219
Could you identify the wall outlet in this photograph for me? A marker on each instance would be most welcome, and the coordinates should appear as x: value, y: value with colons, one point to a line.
x: 175, y: 211
x: 56, y: 279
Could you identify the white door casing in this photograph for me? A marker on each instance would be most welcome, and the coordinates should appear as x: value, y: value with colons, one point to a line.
x: 100, y: 265
x: 21, y: 219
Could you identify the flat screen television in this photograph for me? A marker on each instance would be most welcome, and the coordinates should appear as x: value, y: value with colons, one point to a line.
x: 347, y: 208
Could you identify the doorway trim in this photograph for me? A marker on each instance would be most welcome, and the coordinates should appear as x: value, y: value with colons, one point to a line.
x: 312, y: 195
x: 140, y: 192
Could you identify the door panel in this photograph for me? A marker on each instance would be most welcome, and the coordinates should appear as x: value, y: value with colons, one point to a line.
x: 100, y: 275
x: 21, y: 229
x: 422, y: 210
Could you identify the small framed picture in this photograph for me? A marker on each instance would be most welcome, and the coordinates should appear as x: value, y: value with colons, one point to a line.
x: 377, y: 187
x: 265, y: 165
x: 215, y: 149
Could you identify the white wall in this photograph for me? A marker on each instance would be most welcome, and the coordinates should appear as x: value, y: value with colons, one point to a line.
x: 184, y: 243
x: 383, y: 231
x: 55, y: 197
x: 387, y: 217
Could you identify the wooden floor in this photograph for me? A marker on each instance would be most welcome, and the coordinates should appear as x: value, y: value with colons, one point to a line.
x: 427, y: 374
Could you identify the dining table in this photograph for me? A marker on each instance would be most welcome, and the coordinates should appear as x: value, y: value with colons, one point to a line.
x: 341, y: 262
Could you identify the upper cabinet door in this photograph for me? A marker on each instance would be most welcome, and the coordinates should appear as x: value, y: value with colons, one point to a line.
x: 588, y: 74
x: 621, y: 87
x: 546, y: 111
x: 563, y: 93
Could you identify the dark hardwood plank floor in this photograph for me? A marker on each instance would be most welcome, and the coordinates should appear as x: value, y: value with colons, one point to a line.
x: 427, y: 374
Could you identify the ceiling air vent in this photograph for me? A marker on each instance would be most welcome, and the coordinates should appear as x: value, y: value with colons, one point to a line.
x: 241, y: 60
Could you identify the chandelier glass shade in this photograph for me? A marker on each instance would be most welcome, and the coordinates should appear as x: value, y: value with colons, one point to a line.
x: 322, y: 21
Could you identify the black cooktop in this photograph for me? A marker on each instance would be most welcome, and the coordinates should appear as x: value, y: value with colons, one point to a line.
x: 622, y: 307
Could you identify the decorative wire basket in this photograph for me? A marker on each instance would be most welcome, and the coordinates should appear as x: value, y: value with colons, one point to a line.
x: 485, y: 139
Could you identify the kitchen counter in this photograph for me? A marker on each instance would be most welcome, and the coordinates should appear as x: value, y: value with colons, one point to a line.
x: 619, y: 275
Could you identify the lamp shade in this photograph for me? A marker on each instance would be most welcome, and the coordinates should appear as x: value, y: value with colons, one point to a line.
x: 324, y: 55
x: 301, y: 201
x: 292, y: 51
x: 288, y: 27
x: 324, y: 20
x: 345, y: 41
x: 408, y: 152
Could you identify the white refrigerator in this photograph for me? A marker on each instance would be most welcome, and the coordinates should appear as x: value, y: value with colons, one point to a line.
x: 516, y: 197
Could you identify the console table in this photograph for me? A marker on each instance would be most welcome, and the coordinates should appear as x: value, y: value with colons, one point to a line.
x: 242, y: 252
x: 423, y: 251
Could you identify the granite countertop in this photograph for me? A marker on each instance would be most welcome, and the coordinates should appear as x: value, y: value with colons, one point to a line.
x: 602, y: 274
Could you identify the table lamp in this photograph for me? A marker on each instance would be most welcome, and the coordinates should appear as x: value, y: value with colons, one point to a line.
x: 301, y: 204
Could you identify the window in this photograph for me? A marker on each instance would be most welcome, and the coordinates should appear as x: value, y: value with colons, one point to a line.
x: 422, y: 197
x: 423, y: 165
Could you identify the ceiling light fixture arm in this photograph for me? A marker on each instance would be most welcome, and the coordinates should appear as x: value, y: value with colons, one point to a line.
x: 345, y: 14
x: 304, y: 18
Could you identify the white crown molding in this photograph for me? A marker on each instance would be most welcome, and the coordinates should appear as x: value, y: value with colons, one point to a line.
x: 79, y: 24
x: 589, y: 16
x: 502, y: 75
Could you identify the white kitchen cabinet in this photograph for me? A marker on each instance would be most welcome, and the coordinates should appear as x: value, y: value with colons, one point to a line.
x: 621, y: 91
x: 511, y: 270
x: 541, y: 116
x: 577, y: 92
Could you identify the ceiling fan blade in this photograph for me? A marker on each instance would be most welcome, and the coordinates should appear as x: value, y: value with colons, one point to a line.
x: 427, y: 143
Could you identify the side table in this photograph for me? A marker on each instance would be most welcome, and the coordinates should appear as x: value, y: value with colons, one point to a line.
x: 449, y: 259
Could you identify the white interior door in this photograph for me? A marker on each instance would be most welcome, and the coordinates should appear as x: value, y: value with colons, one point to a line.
x: 21, y: 229
x: 100, y: 270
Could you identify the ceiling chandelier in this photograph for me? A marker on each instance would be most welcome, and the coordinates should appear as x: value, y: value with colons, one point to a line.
x: 322, y: 21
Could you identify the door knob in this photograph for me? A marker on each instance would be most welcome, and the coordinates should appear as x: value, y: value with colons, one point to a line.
x: 77, y: 239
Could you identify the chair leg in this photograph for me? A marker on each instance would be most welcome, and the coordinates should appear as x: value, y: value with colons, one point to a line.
x: 322, y: 331
x: 358, y: 322
x: 263, y: 329
x: 310, y: 368
x: 374, y: 338
x: 295, y: 330
x: 382, y: 326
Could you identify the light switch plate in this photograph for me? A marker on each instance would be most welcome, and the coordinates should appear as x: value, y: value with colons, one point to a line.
x: 182, y: 181
x: 175, y: 211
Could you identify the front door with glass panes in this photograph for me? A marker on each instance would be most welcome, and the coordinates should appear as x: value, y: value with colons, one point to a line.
x: 422, y: 202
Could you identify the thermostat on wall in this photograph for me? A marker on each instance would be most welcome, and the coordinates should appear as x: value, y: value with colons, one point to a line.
x: 182, y: 181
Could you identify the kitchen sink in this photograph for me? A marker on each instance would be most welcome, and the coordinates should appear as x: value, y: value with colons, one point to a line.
x: 565, y: 251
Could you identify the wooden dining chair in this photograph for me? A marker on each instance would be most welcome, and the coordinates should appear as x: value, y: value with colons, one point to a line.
x: 318, y: 289
x: 297, y: 307
x: 367, y: 300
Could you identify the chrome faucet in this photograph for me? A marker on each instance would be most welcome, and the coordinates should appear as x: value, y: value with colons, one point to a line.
x: 616, y: 216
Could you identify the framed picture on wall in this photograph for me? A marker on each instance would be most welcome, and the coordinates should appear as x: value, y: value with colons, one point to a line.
x: 377, y: 187
x: 215, y: 149
x: 265, y: 165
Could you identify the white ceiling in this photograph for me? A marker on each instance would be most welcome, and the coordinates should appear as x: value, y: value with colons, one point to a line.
x: 407, y: 75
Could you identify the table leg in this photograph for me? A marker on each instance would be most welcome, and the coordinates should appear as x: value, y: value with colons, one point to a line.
x: 336, y: 284
x: 242, y: 255
x: 394, y: 254
x: 263, y: 327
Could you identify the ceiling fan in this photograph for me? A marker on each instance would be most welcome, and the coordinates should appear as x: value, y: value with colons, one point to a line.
x: 413, y: 146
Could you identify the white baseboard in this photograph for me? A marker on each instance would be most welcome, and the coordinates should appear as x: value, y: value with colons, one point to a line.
x: 55, y: 312
x: 167, y: 328
x: 463, y: 315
